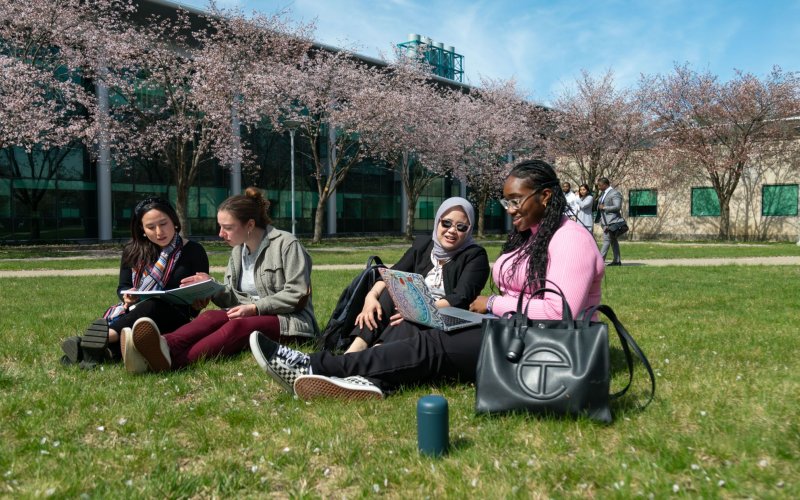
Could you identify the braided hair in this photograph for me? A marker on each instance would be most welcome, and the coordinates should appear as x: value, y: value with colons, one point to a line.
x: 536, y: 174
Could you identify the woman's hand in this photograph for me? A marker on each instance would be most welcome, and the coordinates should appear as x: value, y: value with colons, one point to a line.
x: 197, y: 278
x: 242, y: 311
x: 396, y: 319
x: 479, y: 304
x: 371, y: 310
x: 129, y: 300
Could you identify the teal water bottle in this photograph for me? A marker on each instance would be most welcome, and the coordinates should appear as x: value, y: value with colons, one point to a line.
x: 433, y: 426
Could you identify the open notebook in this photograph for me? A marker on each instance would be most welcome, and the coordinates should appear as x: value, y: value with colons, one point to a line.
x: 414, y: 302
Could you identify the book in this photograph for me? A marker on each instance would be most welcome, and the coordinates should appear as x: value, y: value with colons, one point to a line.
x: 184, y: 295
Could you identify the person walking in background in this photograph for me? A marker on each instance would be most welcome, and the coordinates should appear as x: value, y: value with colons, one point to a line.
x: 585, y: 203
x: 609, y: 208
x: 267, y: 288
x: 544, y: 244
x: 572, y: 200
x: 155, y: 258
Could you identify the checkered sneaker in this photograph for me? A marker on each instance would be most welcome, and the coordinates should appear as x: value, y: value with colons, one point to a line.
x: 353, y: 388
x: 281, y: 363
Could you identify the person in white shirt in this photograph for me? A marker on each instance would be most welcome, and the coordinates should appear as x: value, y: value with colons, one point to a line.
x: 572, y: 200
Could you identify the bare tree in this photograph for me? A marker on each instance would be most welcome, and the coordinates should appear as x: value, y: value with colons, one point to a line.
x: 718, y: 129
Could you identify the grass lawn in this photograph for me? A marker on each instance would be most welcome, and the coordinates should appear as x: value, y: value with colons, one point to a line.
x: 723, y: 341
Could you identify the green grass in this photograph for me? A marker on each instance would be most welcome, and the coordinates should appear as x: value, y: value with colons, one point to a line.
x: 723, y: 342
x: 358, y: 251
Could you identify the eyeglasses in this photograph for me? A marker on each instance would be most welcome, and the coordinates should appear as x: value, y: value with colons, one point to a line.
x: 460, y: 226
x: 516, y: 203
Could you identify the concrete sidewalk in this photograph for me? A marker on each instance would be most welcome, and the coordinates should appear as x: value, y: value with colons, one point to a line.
x: 740, y: 261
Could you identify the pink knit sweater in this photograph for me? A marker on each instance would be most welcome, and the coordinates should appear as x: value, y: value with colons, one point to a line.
x: 574, y: 264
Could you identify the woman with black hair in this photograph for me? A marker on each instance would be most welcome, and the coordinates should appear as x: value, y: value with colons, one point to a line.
x: 267, y: 288
x: 544, y: 244
x: 155, y: 258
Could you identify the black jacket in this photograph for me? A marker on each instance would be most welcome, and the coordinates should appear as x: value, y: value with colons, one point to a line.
x: 464, y: 276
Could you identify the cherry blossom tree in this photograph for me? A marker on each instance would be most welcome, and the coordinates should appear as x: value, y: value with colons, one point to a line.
x: 47, y: 104
x: 719, y: 129
x: 329, y: 100
x: 411, y: 129
x: 598, y: 130
x: 494, y: 121
x: 178, y: 95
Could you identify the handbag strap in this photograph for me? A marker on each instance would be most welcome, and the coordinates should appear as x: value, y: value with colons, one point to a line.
x: 628, y: 343
x: 566, y: 311
x: 374, y: 261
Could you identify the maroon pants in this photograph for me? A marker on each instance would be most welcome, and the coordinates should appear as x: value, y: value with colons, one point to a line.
x: 212, y: 334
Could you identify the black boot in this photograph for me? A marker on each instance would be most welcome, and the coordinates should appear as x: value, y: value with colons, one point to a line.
x: 94, y: 344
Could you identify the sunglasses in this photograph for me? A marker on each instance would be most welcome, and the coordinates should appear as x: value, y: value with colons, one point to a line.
x: 460, y: 226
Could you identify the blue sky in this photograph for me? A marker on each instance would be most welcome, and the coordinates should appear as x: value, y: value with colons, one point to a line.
x: 544, y: 44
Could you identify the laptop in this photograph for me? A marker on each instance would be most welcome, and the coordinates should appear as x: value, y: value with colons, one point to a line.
x: 414, y: 302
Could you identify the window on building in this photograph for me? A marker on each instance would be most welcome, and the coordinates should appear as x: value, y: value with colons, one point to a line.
x: 705, y: 202
x: 643, y: 203
x: 779, y: 200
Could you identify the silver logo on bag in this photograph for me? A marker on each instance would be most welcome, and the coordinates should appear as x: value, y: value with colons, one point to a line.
x: 537, y: 373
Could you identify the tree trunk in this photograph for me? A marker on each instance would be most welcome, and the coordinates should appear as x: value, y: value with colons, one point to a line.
x: 410, y: 214
x: 319, y: 217
x: 481, y: 216
x: 724, y: 219
x: 181, y: 206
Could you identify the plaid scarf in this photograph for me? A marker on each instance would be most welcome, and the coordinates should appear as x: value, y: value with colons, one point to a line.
x: 152, y: 277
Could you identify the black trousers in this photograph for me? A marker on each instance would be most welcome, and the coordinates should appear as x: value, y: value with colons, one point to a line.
x: 371, y: 337
x: 167, y: 317
x: 409, y: 354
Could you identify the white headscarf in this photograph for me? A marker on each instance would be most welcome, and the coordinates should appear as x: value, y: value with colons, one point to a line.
x: 440, y: 253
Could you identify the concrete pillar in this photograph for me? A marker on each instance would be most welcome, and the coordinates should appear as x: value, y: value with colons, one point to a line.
x: 104, y: 209
x: 330, y: 208
x: 236, y: 165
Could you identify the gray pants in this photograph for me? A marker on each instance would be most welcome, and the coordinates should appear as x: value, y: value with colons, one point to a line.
x: 609, y: 240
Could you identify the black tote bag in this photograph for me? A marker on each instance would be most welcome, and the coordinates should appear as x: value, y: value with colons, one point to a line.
x: 551, y: 367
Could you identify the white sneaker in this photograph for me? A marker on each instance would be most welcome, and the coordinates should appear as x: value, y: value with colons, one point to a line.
x: 133, y: 359
x: 151, y: 345
x: 353, y: 388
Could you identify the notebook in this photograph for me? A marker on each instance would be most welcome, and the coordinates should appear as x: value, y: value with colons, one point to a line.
x: 414, y: 302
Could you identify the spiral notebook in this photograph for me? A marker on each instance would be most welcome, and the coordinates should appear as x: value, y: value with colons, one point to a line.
x: 414, y: 302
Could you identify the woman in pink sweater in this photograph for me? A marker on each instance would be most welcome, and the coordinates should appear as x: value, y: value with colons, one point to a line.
x: 544, y: 244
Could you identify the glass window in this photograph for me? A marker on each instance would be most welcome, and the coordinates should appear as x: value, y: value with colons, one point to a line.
x: 705, y: 202
x: 643, y: 203
x: 779, y: 200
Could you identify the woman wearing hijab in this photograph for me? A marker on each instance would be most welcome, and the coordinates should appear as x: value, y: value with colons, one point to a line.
x: 454, y: 266
x: 393, y: 352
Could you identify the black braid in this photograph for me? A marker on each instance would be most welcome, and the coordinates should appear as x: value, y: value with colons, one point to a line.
x: 536, y: 174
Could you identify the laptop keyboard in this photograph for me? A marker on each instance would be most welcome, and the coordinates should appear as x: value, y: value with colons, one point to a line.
x: 453, y: 321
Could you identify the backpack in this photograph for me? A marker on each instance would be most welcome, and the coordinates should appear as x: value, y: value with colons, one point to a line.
x: 336, y: 336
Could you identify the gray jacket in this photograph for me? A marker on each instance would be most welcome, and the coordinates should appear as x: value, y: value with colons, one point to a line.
x: 283, y: 281
x: 612, y: 208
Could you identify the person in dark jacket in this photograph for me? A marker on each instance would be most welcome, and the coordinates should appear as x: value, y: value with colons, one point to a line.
x: 155, y: 258
x: 454, y: 266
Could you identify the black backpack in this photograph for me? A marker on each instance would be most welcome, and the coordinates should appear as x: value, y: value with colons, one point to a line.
x: 336, y: 336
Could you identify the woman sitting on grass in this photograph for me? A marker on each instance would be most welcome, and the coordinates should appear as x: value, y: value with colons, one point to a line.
x: 156, y: 258
x: 454, y: 266
x: 544, y: 244
x: 267, y: 288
